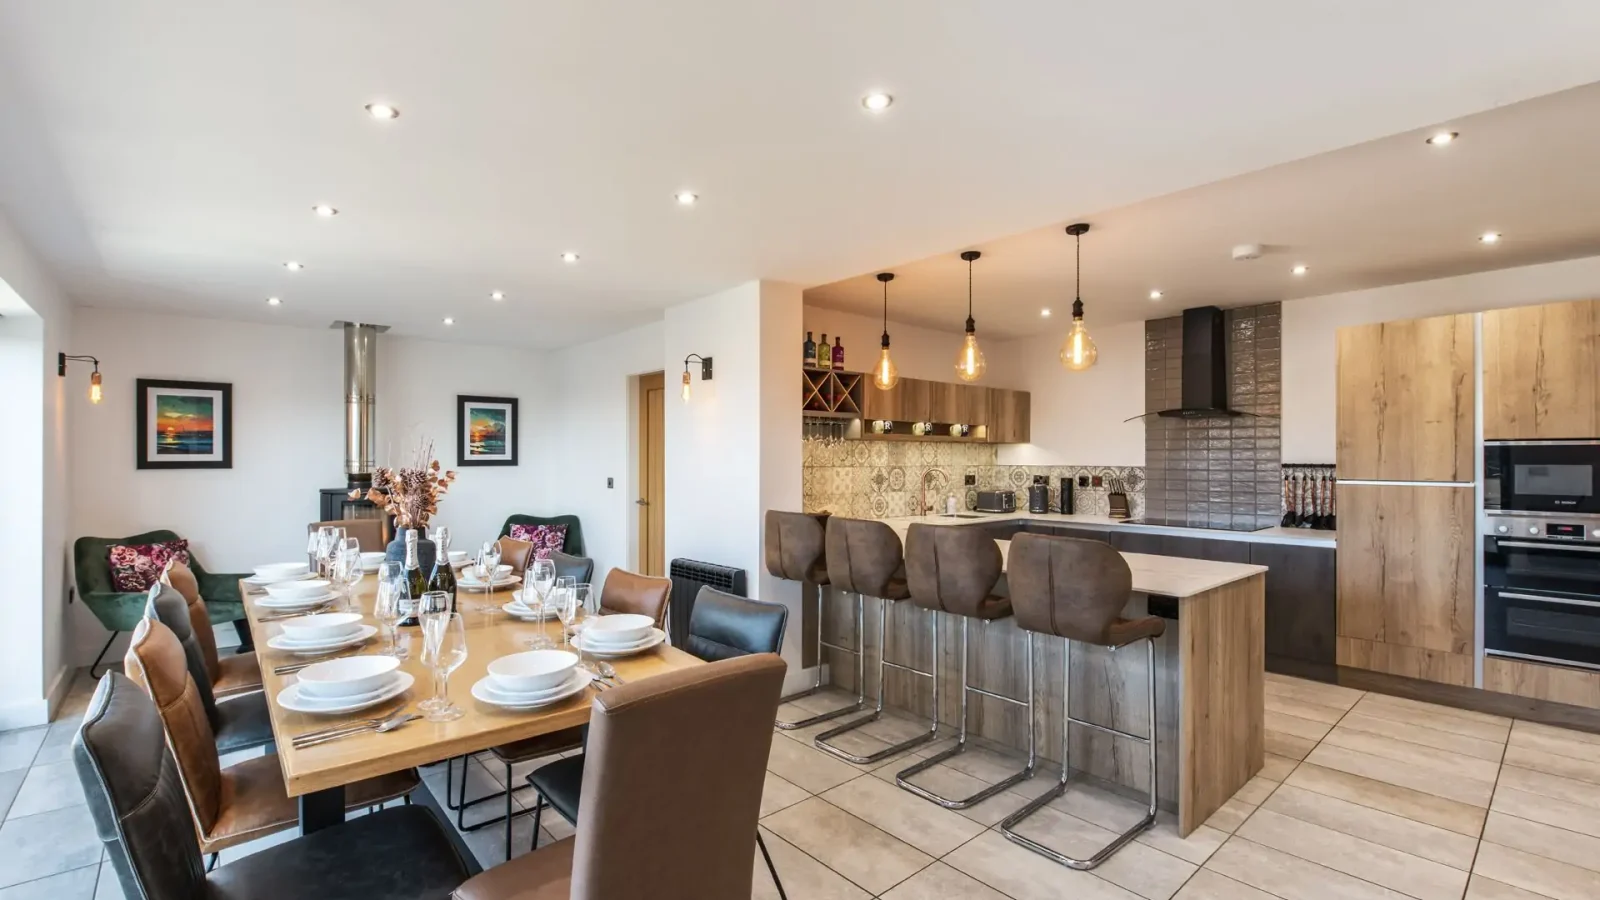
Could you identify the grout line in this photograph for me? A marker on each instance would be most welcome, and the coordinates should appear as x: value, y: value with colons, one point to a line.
x: 1479, y: 848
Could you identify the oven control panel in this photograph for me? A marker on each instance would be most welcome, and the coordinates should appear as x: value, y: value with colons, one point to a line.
x: 1542, y: 529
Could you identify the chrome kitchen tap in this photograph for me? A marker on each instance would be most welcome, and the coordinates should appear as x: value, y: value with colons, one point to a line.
x: 922, y: 500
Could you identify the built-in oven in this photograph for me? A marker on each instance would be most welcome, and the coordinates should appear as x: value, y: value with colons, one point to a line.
x: 1541, y: 595
x: 1541, y: 476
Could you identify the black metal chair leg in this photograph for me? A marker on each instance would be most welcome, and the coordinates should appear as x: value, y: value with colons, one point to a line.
x: 509, y: 816
x: 777, y: 882
x: 211, y: 861
x: 247, y: 641
x: 103, y: 651
x: 538, y: 808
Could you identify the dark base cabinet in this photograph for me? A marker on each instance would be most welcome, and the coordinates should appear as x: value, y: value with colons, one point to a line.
x: 1302, y: 605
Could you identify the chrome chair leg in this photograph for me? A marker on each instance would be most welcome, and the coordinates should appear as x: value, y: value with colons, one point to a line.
x: 1008, y: 826
x: 821, y: 741
x: 861, y: 666
x: 903, y: 777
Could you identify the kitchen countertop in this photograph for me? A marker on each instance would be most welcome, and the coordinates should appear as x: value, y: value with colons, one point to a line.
x: 1304, y: 537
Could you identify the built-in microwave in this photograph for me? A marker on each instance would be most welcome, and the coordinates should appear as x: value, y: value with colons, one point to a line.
x: 1541, y: 477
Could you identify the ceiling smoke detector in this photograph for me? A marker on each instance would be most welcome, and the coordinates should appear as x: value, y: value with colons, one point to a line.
x: 1248, y: 251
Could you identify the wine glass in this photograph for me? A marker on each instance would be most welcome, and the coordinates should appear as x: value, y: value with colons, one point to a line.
x: 389, y: 609
x: 570, y: 608
x: 444, y: 642
x: 352, y: 571
x: 488, y: 561
x: 325, y: 540
x: 432, y: 606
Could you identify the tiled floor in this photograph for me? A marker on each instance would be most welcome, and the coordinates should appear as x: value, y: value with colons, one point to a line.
x: 1363, y: 796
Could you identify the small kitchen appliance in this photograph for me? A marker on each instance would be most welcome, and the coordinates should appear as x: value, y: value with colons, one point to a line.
x: 1039, y: 495
x: 997, y: 501
x: 1066, y: 496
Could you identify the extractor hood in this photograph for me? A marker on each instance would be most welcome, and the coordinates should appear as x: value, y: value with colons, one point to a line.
x: 1204, y: 390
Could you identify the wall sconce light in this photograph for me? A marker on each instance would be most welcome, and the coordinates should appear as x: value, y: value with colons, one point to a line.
x: 705, y: 372
x: 94, y: 378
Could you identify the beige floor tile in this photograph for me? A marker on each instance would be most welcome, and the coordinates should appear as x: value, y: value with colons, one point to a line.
x: 1543, y: 840
x: 1316, y: 712
x: 1288, y: 746
x: 1209, y: 885
x: 1535, y: 873
x: 1396, y: 869
x: 986, y: 765
x: 1481, y: 888
x: 828, y: 698
x: 1455, y: 764
x: 1561, y: 741
x: 1387, y: 829
x: 803, y: 877
x: 940, y: 882
x: 1544, y: 784
x: 777, y: 794
x: 1291, y: 877
x: 1021, y: 874
x: 1420, y: 806
x: 1229, y: 816
x: 807, y: 767
x: 1417, y: 776
x: 1138, y: 867
x: 1277, y: 767
x: 1196, y: 848
x: 1115, y: 812
x: 1255, y: 791
x: 855, y: 849
x: 894, y: 729
x: 1572, y: 817
x: 1294, y: 726
x: 1477, y: 748
x: 1554, y: 763
x: 1432, y: 715
x: 926, y: 826
x: 858, y: 742
x: 945, y: 781
x: 1312, y: 691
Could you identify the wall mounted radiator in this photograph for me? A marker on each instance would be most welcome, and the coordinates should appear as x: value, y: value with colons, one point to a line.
x: 688, y: 576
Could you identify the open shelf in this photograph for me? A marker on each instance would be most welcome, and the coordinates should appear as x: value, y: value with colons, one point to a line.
x: 830, y: 392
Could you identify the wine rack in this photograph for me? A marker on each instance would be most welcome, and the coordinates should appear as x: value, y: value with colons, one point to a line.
x: 829, y: 392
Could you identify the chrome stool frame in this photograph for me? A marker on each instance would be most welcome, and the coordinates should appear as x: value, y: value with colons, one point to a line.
x: 821, y: 740
x: 859, y: 651
x: 1008, y: 826
x: 902, y: 778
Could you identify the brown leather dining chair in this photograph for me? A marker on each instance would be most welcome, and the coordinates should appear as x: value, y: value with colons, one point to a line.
x: 373, y: 534
x: 237, y: 673
x: 248, y: 799
x: 516, y: 554
x: 630, y: 592
x: 689, y: 836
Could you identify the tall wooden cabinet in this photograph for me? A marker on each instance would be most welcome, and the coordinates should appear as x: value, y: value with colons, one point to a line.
x: 1405, y: 407
x: 1541, y: 372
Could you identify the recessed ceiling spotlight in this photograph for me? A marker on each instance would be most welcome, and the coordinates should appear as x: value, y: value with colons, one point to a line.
x: 293, y: 266
x: 1155, y: 295
x: 569, y: 257
x: 449, y: 321
x: 1044, y: 313
x: 1299, y: 269
x: 274, y: 301
x: 324, y: 210
x: 686, y: 198
x: 1444, y: 138
x: 497, y: 295
x: 877, y: 101
x: 1489, y: 237
x: 382, y: 111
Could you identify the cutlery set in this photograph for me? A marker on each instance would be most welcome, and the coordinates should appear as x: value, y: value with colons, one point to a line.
x: 363, y: 726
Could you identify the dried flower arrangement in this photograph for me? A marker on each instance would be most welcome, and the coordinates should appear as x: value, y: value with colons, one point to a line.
x: 410, y: 494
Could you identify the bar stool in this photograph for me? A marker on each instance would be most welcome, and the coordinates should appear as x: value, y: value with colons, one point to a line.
x: 865, y: 558
x: 955, y: 570
x: 796, y: 549
x: 1076, y: 589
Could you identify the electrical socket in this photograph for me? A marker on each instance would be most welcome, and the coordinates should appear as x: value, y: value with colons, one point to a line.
x: 970, y: 480
x: 1083, y: 481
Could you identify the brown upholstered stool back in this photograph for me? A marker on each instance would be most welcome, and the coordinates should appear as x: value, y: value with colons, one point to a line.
x: 796, y: 546
x: 1074, y: 589
x: 863, y: 556
x: 953, y: 570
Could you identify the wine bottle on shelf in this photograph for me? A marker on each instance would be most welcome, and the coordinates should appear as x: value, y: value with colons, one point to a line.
x: 415, y: 584
x: 824, y: 358
x: 838, y: 355
x: 811, y: 352
x: 443, y: 577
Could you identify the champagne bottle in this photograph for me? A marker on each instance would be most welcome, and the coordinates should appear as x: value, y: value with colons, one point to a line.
x: 443, y: 577
x: 811, y: 351
x: 415, y: 584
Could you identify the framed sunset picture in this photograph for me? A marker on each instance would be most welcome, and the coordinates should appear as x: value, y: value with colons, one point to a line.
x: 184, y: 424
x: 486, y: 431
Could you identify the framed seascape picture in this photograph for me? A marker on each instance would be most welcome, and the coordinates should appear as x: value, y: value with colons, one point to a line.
x: 486, y: 431
x: 184, y: 424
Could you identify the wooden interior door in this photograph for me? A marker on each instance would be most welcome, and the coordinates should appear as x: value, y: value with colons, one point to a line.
x: 652, y: 474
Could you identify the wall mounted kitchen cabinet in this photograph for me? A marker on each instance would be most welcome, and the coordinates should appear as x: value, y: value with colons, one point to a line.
x: 1405, y: 401
x: 1002, y: 415
x: 1541, y: 365
x: 1009, y: 413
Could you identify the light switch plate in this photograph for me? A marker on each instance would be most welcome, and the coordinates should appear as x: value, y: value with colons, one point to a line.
x: 610, y: 482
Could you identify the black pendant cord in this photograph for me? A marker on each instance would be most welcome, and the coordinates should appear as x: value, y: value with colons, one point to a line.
x: 970, y: 324
x: 884, y: 278
x: 1077, y: 278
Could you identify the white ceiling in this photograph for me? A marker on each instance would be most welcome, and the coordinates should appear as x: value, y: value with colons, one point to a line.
x: 164, y: 154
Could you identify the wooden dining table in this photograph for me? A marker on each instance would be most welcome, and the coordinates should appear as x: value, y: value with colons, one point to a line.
x: 317, y: 775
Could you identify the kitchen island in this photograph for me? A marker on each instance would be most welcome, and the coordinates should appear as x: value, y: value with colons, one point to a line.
x: 1210, y: 675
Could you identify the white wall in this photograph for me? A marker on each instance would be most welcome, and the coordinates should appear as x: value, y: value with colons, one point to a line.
x: 917, y: 352
x: 780, y: 451
x: 1076, y: 418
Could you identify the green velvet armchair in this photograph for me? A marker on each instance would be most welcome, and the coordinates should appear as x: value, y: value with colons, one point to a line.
x: 574, y: 542
x: 119, y: 611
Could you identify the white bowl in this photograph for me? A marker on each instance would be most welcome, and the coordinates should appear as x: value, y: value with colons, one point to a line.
x: 626, y: 628
x: 280, y: 571
x: 347, y: 677
x: 298, y: 590
x: 321, y: 627
x: 372, y: 559
x: 457, y: 557
x: 501, y: 573
x: 533, y: 670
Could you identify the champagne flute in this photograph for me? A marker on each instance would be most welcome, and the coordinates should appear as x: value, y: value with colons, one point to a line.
x: 445, y: 649
x: 570, y: 609
x: 386, y: 609
x: 325, y: 538
x: 431, y: 607
x: 352, y: 573
x: 391, y: 585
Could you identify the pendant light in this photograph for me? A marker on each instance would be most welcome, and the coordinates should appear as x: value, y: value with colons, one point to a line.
x: 884, y: 375
x: 1078, y: 351
x: 970, y: 364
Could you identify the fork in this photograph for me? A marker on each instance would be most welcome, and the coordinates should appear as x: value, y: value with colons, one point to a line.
x: 347, y: 726
x: 384, y: 727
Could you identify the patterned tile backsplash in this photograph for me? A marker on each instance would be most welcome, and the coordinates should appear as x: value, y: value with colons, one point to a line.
x: 880, y: 479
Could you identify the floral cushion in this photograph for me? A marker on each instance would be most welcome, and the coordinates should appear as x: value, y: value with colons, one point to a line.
x: 134, y: 567
x: 544, y: 538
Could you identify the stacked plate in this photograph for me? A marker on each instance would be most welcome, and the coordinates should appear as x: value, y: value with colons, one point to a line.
x: 345, y: 685
x: 613, y: 637
x: 321, y: 633
x: 371, y: 561
x: 521, y: 610
x: 532, y: 679
x: 502, y: 578
x: 288, y: 596
x: 274, y: 573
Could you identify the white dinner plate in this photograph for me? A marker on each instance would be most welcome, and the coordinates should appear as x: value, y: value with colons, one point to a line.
x: 474, y: 585
x: 485, y: 691
x: 282, y: 642
x: 618, y: 651
x: 527, y: 614
x: 289, y: 698
x: 258, y: 581
x: 296, y: 603
x: 502, y: 694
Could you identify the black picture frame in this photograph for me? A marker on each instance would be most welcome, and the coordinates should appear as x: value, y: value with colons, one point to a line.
x: 466, y: 454
x: 148, y: 446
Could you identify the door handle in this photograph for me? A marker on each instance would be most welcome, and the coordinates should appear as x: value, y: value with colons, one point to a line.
x: 642, y: 501
x: 1576, y: 548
